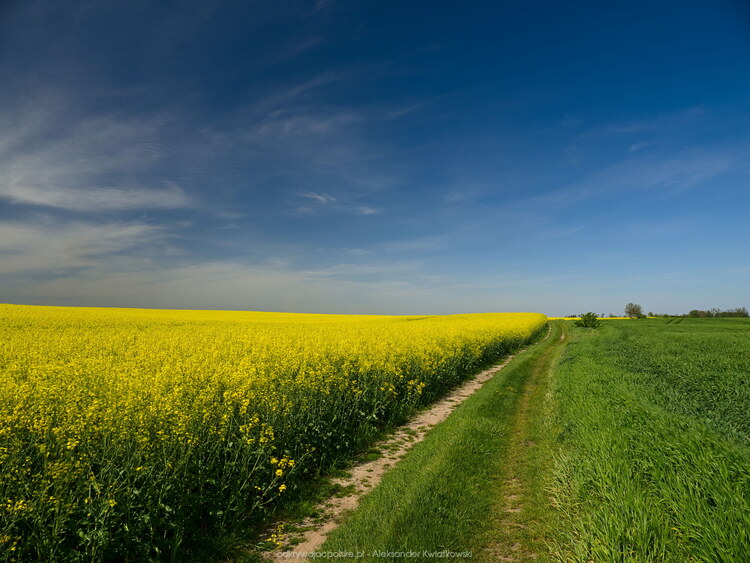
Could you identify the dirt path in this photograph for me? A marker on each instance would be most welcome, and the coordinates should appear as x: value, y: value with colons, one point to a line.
x: 523, y: 504
x: 366, y: 476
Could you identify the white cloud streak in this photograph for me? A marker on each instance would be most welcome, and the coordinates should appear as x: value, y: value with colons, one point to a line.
x: 327, y: 201
x: 366, y: 210
x: 88, y: 166
x: 94, y: 199
x: 48, y: 247
x: 323, y: 198
x: 667, y: 174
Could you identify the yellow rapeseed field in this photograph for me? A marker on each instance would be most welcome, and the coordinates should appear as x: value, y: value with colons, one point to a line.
x: 129, y: 433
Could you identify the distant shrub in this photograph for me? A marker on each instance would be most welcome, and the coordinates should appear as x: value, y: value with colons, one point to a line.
x: 589, y: 320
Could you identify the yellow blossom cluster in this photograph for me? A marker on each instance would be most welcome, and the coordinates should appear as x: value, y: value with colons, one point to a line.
x: 127, y: 432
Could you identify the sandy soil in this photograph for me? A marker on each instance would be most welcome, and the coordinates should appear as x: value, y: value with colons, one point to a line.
x: 367, y: 475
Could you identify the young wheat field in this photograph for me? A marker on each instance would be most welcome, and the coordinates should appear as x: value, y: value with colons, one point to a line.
x: 652, y: 459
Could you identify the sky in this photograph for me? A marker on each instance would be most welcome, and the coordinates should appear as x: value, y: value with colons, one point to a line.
x: 421, y: 157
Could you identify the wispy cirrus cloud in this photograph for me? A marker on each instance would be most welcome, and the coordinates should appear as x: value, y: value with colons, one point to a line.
x: 661, y: 124
x: 26, y: 191
x: 326, y: 201
x: 666, y: 173
x: 365, y: 210
x: 641, y: 145
x: 90, y: 164
x: 50, y: 246
x: 323, y: 198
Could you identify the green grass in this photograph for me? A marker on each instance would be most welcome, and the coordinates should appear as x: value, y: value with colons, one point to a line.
x: 653, y: 459
x: 444, y: 495
x: 700, y: 368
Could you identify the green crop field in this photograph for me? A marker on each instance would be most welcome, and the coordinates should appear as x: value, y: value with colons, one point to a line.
x: 653, y: 460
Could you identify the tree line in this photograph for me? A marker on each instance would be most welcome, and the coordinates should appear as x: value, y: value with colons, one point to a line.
x: 635, y: 311
x: 738, y: 312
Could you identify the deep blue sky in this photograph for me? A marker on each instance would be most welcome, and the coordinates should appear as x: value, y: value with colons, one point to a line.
x: 375, y: 157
